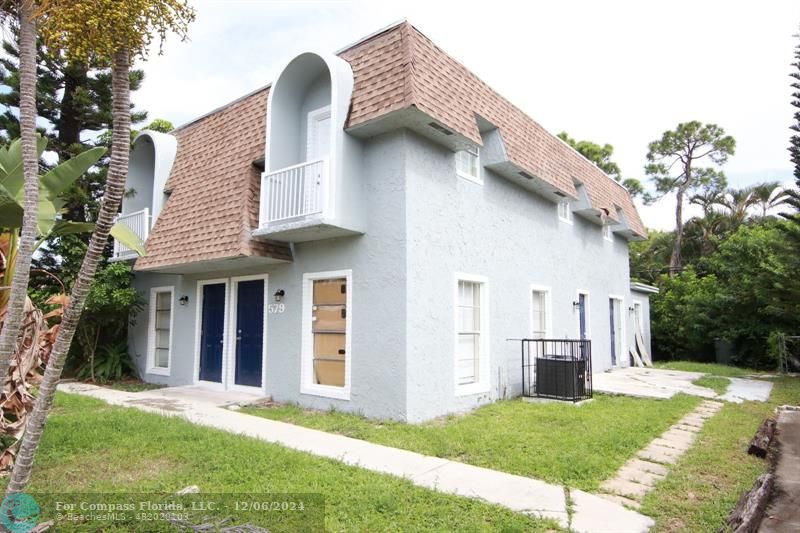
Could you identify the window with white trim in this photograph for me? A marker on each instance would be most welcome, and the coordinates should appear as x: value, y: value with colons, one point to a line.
x: 607, y: 235
x: 564, y: 211
x: 468, y: 164
x: 160, y: 330
x: 472, y: 357
x: 327, y: 323
x: 539, y: 313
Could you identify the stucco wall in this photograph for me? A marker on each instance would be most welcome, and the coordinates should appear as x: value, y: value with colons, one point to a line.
x: 515, y: 239
x: 424, y: 224
x: 377, y: 261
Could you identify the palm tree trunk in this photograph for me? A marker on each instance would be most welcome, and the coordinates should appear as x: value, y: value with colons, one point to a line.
x: 115, y: 185
x: 30, y: 166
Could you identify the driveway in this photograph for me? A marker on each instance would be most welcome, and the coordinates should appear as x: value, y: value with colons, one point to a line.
x: 658, y: 383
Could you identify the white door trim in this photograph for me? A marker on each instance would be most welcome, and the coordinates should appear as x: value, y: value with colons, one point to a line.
x: 315, y: 116
x: 197, y: 338
x: 621, y: 341
x: 230, y: 371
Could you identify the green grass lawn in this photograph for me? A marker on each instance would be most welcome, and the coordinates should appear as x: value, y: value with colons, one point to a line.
x: 707, y: 482
x: 578, y: 446
x: 716, y: 383
x: 90, y: 446
x: 707, y: 368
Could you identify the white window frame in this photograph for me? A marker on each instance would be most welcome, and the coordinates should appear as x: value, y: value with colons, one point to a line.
x: 482, y: 384
x: 607, y: 233
x: 576, y: 311
x: 623, y: 339
x: 307, y: 385
x: 566, y: 216
x: 469, y: 177
x: 548, y: 309
x: 315, y: 115
x: 151, y: 331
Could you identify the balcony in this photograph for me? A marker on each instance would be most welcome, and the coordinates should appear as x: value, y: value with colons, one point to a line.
x: 139, y: 223
x: 293, y: 193
x: 298, y: 204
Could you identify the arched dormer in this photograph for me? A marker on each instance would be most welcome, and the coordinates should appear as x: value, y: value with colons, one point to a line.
x: 310, y: 163
x: 151, y: 160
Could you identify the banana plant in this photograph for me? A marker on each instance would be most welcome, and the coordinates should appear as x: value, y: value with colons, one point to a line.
x: 52, y: 185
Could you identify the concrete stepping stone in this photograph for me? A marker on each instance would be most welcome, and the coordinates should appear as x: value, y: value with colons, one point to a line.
x: 646, y: 466
x: 660, y: 454
x: 679, y: 435
x: 622, y: 500
x: 685, y: 427
x: 629, y: 489
x: 639, y: 476
x: 678, y: 445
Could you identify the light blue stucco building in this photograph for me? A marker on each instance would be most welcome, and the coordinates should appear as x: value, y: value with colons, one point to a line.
x: 367, y: 232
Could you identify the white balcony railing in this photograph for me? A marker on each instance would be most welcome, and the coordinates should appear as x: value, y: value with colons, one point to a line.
x: 139, y: 222
x: 294, y: 192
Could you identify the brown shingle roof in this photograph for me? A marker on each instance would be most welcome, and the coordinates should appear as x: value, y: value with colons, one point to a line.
x: 213, y: 205
x: 215, y: 188
x: 402, y: 67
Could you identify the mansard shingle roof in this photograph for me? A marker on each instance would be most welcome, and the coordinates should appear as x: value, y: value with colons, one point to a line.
x: 214, y: 187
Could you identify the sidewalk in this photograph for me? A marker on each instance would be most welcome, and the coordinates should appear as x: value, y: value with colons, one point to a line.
x: 589, y: 513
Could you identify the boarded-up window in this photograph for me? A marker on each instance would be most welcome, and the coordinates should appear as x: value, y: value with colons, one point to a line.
x: 468, y: 332
x: 329, y: 329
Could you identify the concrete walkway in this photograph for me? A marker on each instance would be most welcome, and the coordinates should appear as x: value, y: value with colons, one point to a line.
x: 783, y: 514
x: 638, y: 476
x: 662, y: 384
x: 589, y: 513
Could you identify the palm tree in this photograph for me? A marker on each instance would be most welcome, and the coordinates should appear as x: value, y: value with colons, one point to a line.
x: 769, y: 195
x: 30, y: 172
x: 118, y: 31
x: 738, y: 202
x: 707, y: 199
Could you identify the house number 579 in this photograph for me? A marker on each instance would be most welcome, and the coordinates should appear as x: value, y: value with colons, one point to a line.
x: 275, y: 308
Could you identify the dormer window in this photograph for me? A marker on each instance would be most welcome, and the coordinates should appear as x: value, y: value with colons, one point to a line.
x: 564, y: 211
x: 468, y: 164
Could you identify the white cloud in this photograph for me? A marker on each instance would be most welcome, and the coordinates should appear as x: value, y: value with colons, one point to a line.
x: 616, y: 72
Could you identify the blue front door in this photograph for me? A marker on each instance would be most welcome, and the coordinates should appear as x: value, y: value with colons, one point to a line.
x: 249, y: 332
x: 212, y: 333
x: 582, y: 315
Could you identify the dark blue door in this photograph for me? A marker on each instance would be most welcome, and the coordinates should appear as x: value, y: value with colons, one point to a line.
x: 249, y: 332
x: 212, y: 333
x: 613, y: 332
x: 582, y: 315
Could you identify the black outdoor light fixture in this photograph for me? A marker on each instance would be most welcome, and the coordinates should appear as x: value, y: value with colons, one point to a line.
x: 631, y: 309
x: 279, y: 294
x: 576, y: 304
x: 183, y: 300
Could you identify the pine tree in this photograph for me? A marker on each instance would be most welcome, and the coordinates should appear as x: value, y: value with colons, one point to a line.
x: 75, y: 100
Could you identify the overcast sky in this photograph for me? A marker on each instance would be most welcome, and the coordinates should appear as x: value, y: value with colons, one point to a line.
x: 611, y: 72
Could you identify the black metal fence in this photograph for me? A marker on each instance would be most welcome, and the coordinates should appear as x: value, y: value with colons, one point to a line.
x: 557, y: 368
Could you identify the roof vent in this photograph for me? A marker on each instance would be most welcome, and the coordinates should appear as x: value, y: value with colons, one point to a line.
x: 440, y: 128
x: 525, y: 175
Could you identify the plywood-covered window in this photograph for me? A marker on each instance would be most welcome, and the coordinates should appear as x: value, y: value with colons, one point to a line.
x: 160, y: 330
x: 329, y: 328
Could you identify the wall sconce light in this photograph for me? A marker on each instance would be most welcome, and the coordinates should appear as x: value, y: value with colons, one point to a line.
x: 631, y: 309
x: 576, y: 304
x: 183, y: 300
x: 279, y: 294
